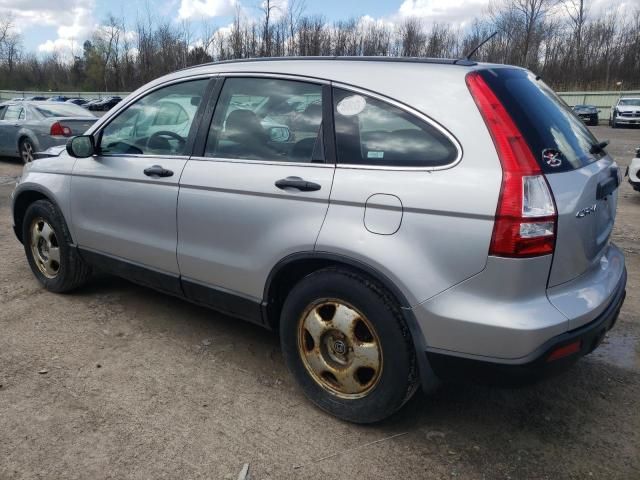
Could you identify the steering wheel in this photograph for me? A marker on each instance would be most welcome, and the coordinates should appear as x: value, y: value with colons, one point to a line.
x: 167, y: 133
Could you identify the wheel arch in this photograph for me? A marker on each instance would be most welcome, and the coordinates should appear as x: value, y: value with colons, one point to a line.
x: 291, y: 269
x: 21, y: 202
x: 22, y: 134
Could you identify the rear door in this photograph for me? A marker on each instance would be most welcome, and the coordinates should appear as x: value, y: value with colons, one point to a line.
x: 14, y: 116
x: 257, y: 192
x: 583, y: 177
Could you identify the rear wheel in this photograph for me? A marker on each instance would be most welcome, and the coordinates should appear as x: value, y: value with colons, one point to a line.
x: 348, y: 346
x: 47, y: 244
x: 27, y: 150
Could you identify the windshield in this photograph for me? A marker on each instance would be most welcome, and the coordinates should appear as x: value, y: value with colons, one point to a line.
x: 62, y: 110
x: 547, y: 123
x: 629, y: 102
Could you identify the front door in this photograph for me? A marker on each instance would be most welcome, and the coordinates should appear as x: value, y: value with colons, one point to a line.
x: 123, y: 200
x: 258, y: 192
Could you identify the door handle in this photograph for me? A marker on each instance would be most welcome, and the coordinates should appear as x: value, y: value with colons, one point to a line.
x: 156, y: 171
x: 297, y: 183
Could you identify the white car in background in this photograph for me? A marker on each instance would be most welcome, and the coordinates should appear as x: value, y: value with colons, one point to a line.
x: 633, y: 171
x: 625, y: 112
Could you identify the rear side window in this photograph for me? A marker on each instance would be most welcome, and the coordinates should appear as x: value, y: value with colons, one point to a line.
x: 558, y: 139
x: 267, y: 119
x: 373, y: 132
x: 62, y: 110
x: 14, y: 112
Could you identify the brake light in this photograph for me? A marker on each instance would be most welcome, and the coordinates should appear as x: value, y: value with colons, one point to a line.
x: 59, y: 130
x: 526, y: 217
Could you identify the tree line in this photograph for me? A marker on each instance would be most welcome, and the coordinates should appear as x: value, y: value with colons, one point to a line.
x: 561, y: 40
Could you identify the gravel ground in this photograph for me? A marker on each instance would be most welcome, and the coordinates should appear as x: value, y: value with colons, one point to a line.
x: 140, y: 385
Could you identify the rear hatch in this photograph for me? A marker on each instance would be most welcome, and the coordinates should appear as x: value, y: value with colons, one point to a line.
x: 582, y: 177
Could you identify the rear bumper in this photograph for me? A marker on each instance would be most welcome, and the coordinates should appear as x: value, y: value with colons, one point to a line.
x: 539, y: 363
x: 506, y: 312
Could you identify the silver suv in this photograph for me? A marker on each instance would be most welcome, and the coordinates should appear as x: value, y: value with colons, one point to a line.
x: 395, y: 220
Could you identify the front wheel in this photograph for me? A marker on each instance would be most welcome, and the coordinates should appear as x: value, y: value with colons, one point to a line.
x: 348, y: 346
x: 47, y: 244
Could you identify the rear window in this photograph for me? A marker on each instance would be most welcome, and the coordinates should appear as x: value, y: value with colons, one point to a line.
x: 372, y: 132
x: 63, y: 110
x: 557, y: 137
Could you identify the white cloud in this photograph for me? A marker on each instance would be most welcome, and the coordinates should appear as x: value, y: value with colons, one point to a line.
x: 72, y: 19
x: 207, y: 8
x: 456, y: 12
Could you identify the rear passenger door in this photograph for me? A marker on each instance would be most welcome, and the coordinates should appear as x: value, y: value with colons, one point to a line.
x: 257, y: 191
x: 10, y: 123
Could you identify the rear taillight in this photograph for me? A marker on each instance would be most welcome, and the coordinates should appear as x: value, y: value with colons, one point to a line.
x: 59, y: 130
x: 526, y: 218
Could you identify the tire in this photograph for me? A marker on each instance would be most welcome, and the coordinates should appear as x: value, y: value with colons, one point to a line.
x: 47, y: 244
x: 359, y: 394
x: 26, y: 150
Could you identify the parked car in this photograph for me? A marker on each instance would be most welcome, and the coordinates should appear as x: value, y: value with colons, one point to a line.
x: 105, y: 104
x: 625, y: 112
x: 77, y: 101
x: 633, y: 171
x: 29, y: 127
x: 587, y: 113
x: 36, y: 98
x: 17, y: 99
x: 90, y: 102
x: 58, y: 98
x: 389, y: 238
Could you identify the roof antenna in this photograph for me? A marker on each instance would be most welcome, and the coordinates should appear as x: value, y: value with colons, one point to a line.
x: 472, y: 52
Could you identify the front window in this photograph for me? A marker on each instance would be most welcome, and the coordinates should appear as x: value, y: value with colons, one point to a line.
x: 157, y: 124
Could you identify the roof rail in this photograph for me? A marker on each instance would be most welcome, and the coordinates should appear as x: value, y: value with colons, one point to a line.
x: 442, y: 61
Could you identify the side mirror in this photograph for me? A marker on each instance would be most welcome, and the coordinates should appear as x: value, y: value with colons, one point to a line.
x: 82, y: 146
x: 279, y: 134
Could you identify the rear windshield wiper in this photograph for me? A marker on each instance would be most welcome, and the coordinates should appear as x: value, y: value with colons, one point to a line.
x: 598, y: 147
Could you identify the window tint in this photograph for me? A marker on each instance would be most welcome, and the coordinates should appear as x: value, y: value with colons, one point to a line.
x: 2, y: 110
x: 157, y: 124
x: 14, y: 112
x: 372, y: 132
x: 547, y: 123
x: 267, y: 119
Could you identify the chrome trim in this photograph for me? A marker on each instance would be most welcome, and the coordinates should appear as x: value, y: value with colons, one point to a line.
x: 285, y: 76
x: 139, y: 155
x: 411, y: 111
x: 262, y: 162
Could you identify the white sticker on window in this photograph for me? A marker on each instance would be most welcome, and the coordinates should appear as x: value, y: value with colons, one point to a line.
x: 350, y: 106
x: 374, y: 154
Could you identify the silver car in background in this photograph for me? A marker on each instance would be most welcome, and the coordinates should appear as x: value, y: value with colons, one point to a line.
x: 394, y: 232
x: 28, y: 127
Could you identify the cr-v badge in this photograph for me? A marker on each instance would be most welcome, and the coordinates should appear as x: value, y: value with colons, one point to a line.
x: 552, y: 157
x: 587, y: 211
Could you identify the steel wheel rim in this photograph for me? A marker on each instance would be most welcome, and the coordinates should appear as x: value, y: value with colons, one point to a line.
x: 340, y: 348
x: 44, y: 247
x: 27, y: 152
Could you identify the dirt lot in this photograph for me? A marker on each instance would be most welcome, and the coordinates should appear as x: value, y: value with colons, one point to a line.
x: 140, y: 385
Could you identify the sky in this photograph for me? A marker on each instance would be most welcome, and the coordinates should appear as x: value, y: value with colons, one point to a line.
x: 59, y: 25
